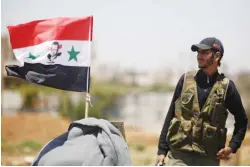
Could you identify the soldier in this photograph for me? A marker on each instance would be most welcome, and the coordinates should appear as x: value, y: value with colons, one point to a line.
x: 194, y: 131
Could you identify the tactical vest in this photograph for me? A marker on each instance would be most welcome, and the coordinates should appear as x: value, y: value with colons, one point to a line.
x: 200, y: 130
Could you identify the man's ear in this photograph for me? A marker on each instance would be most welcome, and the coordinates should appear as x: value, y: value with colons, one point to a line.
x: 217, y: 55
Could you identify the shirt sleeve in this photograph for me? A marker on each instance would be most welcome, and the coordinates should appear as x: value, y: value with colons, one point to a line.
x: 163, y: 146
x: 234, y: 105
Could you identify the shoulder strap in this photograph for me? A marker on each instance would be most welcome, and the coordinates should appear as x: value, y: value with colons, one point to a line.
x: 189, y: 81
x: 224, y: 83
x: 189, y: 86
x: 220, y: 87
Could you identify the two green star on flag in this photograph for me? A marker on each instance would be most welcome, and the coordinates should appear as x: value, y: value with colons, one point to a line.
x: 73, y: 54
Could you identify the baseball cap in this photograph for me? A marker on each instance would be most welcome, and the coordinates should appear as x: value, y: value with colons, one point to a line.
x: 209, y: 43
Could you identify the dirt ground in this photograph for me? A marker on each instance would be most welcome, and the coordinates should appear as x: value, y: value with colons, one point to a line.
x: 32, y: 126
x: 42, y: 127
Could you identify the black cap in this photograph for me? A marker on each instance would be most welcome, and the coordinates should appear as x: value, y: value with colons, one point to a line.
x: 209, y: 43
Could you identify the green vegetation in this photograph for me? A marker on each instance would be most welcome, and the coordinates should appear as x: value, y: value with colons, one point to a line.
x: 103, y: 95
x: 139, y: 147
x: 28, y: 146
x: 30, y: 93
x: 160, y: 87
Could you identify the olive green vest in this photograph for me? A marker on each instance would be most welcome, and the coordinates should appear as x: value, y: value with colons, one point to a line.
x: 199, y: 130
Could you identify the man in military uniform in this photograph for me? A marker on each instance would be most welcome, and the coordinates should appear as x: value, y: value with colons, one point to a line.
x: 194, y: 131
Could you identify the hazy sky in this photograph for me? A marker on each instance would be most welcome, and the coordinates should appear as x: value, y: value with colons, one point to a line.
x: 149, y: 34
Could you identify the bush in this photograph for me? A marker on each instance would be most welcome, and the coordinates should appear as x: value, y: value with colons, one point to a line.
x: 160, y: 87
x: 29, y: 145
x: 101, y: 99
x: 139, y: 147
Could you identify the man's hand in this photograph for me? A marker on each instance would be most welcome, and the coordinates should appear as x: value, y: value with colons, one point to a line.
x: 160, y: 160
x: 224, y: 153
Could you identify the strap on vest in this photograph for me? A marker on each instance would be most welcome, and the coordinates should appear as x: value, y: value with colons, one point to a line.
x: 225, y: 84
x: 189, y: 82
x: 190, y: 85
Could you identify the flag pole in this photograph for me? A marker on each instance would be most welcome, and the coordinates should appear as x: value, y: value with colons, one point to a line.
x: 87, y: 96
x: 87, y: 105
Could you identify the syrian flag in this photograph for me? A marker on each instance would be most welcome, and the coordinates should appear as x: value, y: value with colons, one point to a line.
x: 53, y: 52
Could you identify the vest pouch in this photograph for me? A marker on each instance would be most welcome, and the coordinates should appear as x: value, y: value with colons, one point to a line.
x: 223, y: 138
x: 210, y: 140
x: 178, y: 131
x: 186, y: 126
x: 186, y: 98
x: 196, y: 130
x: 219, y: 115
x: 187, y: 104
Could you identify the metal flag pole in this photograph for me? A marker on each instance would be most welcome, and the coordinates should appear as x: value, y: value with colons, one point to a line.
x: 86, y: 106
x: 87, y: 96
